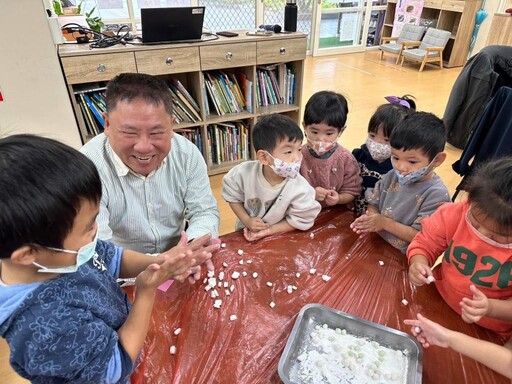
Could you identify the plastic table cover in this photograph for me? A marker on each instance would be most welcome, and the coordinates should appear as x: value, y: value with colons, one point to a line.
x: 211, y: 348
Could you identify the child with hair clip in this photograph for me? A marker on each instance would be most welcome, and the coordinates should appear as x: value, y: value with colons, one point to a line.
x: 475, y: 239
x: 268, y: 195
x: 326, y: 165
x: 374, y: 157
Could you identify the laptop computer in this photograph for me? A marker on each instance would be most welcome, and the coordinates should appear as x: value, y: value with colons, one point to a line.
x: 172, y: 25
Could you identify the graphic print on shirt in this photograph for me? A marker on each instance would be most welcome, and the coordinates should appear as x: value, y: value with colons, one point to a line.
x: 483, y: 271
x: 254, y: 206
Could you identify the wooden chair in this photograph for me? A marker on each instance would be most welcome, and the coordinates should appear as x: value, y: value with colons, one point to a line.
x: 395, y: 45
x: 430, y: 48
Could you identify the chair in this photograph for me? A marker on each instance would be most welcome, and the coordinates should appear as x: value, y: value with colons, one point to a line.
x: 430, y: 48
x: 394, y: 45
x: 490, y: 139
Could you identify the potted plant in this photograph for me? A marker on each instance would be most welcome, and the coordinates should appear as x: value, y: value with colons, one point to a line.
x: 66, y: 7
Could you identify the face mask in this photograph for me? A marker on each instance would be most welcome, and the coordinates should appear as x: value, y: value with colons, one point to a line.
x: 484, y: 238
x: 286, y: 170
x: 379, y: 152
x: 414, y: 176
x: 321, y: 147
x: 84, y: 254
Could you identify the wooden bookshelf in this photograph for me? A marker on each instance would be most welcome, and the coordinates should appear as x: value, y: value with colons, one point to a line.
x: 456, y: 16
x: 87, y: 69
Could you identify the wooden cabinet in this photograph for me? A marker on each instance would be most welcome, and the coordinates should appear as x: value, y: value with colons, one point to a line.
x: 191, y: 65
x: 456, y: 16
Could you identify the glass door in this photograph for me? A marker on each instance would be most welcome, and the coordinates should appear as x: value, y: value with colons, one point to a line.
x: 347, y: 26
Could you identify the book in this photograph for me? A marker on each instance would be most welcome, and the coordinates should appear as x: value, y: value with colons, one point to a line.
x: 94, y: 110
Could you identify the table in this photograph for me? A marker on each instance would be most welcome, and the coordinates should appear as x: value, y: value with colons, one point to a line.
x: 213, y: 349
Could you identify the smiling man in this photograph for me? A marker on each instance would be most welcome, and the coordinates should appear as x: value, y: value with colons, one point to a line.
x: 153, y: 179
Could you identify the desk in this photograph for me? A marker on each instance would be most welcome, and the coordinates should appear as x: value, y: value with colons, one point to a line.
x: 213, y: 349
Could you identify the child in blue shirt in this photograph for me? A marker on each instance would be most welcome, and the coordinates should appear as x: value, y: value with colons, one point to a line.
x: 64, y: 316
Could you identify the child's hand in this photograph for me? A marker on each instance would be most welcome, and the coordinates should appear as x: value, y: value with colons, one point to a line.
x: 321, y: 193
x: 332, y: 197
x: 256, y: 224
x: 474, y: 309
x: 253, y: 236
x: 430, y: 333
x: 369, y: 222
x: 176, y: 267
x: 420, y: 273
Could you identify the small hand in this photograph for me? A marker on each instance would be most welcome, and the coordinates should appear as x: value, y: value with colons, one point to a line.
x: 369, y: 222
x: 474, y: 309
x: 253, y: 236
x: 176, y: 267
x: 428, y: 332
x: 419, y: 274
x: 321, y: 193
x: 256, y: 224
x: 332, y: 197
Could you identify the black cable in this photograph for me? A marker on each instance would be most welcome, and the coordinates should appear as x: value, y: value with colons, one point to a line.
x: 215, y: 37
x: 108, y: 41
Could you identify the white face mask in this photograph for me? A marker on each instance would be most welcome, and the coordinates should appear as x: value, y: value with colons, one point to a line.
x: 379, y: 152
x: 286, y: 170
x: 84, y: 254
x: 484, y: 238
x: 321, y: 147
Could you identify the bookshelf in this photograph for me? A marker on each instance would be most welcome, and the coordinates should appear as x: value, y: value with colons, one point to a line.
x: 220, y: 87
x: 457, y: 16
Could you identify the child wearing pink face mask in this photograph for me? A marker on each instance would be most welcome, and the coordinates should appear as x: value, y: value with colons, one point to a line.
x: 326, y: 165
x: 374, y: 157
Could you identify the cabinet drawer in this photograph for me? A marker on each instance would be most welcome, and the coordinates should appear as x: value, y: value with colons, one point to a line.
x: 281, y: 50
x: 85, y: 69
x: 173, y: 60
x: 433, y: 4
x: 453, y: 5
x: 227, y: 56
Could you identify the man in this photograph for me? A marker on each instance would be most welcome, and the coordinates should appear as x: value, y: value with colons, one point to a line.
x: 154, y: 181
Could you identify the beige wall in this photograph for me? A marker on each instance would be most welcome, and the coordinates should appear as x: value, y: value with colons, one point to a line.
x: 491, y: 6
x: 36, y: 98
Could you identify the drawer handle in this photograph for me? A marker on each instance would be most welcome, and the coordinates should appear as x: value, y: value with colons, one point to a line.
x: 229, y: 55
x: 282, y: 50
x: 169, y: 61
x: 101, y: 67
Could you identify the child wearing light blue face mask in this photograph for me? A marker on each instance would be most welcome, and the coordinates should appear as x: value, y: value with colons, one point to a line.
x: 411, y: 191
x: 268, y: 195
x: 63, y: 314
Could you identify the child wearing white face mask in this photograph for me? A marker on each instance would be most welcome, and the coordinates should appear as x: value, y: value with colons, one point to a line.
x: 374, y: 156
x: 475, y: 239
x: 411, y: 191
x: 268, y: 195
x: 327, y: 166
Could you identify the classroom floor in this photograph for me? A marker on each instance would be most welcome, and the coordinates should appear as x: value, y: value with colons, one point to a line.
x: 364, y: 80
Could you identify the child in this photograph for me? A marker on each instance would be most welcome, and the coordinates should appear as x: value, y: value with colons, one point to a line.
x: 476, y: 237
x: 374, y: 157
x: 62, y: 312
x: 327, y: 166
x: 269, y: 195
x: 411, y: 191
x: 494, y: 356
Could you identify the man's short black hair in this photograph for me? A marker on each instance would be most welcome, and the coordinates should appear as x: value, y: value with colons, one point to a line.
x: 420, y: 130
x: 326, y: 107
x: 270, y: 130
x: 130, y: 86
x: 43, y: 184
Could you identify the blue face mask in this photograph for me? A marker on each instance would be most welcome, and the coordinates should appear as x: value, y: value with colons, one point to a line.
x: 84, y: 254
x: 414, y: 176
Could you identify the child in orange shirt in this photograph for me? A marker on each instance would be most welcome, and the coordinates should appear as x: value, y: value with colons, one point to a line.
x: 475, y: 276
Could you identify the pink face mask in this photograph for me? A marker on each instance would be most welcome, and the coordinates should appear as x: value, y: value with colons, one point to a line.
x: 379, y: 152
x: 321, y: 147
x: 285, y: 170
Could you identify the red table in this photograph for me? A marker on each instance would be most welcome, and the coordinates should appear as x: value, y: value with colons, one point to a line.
x: 213, y: 349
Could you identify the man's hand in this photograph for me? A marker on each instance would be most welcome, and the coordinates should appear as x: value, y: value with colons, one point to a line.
x: 369, y: 222
x: 474, y: 309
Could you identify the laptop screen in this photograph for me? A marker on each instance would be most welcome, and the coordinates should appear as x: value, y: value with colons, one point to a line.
x: 171, y: 25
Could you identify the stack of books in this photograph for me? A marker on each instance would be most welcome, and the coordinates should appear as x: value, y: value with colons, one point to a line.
x: 193, y: 135
x: 92, y: 104
x: 223, y: 92
x: 186, y: 109
x: 275, y: 84
x: 228, y: 142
